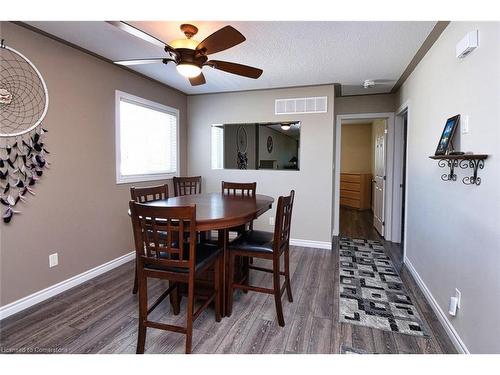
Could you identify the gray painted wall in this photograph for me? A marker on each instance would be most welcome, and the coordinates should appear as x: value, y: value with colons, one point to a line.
x: 313, y: 183
x: 79, y: 211
x: 365, y: 104
x: 453, y: 236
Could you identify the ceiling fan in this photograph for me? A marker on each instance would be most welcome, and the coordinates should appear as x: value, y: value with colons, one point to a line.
x: 189, y: 55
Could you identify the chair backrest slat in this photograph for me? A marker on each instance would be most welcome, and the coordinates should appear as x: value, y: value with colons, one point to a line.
x: 187, y: 185
x: 245, y: 189
x: 149, y: 193
x: 283, y: 223
x: 159, y: 234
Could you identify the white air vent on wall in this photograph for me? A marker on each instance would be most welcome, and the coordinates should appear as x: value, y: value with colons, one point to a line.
x: 301, y: 105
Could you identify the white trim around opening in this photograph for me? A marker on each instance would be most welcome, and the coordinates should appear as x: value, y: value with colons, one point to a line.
x: 398, y: 175
x: 389, y: 117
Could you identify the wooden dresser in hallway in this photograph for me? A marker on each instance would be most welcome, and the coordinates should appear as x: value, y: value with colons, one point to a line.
x: 355, y: 190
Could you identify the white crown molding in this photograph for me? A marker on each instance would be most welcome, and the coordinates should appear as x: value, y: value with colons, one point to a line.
x: 448, y: 327
x: 51, y: 291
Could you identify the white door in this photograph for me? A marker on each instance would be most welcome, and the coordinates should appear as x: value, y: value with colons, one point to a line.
x: 379, y: 182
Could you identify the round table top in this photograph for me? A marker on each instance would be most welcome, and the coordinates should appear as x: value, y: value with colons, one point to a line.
x: 218, y: 211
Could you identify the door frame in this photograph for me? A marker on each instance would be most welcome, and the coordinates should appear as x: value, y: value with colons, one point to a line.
x: 398, y: 169
x: 389, y: 168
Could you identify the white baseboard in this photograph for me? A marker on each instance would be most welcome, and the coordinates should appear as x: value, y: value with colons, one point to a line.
x: 51, y: 291
x: 309, y: 243
x: 448, y: 327
x: 54, y: 290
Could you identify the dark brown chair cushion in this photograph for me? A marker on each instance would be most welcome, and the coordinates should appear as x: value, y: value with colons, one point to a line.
x: 254, y: 240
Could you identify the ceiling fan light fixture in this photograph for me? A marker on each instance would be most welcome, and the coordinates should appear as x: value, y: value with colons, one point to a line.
x: 190, y: 55
x: 285, y: 127
x: 188, y: 70
x: 184, y: 43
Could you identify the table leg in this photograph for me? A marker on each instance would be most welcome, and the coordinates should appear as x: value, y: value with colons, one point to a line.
x: 223, y: 240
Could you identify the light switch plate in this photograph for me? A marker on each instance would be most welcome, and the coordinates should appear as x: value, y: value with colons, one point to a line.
x: 458, y: 296
x: 53, y: 260
x: 464, y: 124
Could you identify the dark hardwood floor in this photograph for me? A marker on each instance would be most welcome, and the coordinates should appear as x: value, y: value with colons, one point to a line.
x: 359, y: 224
x: 100, y: 316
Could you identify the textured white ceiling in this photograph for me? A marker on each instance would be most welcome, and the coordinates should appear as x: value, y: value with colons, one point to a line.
x: 290, y: 53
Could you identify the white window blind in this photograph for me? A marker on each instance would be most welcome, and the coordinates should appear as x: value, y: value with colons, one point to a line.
x: 146, y: 139
x: 217, y: 147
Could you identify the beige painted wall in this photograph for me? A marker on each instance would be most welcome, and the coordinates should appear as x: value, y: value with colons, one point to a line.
x: 356, y: 148
x: 313, y: 183
x: 79, y: 210
x: 454, y: 229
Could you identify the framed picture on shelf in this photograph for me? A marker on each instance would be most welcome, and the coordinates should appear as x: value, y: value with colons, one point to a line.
x: 447, y: 135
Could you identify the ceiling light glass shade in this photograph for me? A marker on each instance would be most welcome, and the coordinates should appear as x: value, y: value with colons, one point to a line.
x: 189, y: 70
x: 285, y: 126
x: 184, y: 43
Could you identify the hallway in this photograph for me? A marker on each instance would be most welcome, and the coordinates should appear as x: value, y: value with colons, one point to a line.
x: 359, y: 224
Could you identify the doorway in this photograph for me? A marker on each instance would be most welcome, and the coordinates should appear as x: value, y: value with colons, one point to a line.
x: 362, y: 178
x: 382, y: 179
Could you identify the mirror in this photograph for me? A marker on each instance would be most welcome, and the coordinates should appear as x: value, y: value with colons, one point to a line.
x: 270, y: 145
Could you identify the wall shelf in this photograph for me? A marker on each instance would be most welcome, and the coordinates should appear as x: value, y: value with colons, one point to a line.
x: 473, y: 161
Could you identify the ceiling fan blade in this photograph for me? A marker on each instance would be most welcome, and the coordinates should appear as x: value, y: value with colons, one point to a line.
x: 198, y: 80
x: 140, y: 34
x: 140, y: 61
x: 230, y: 67
x: 222, y: 39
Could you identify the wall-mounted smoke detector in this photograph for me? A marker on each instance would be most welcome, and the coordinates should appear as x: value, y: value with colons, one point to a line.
x: 368, y: 84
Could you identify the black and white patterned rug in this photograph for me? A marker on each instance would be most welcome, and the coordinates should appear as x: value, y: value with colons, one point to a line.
x: 371, y: 292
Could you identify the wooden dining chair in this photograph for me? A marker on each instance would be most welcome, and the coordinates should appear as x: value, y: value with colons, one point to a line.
x: 143, y: 195
x: 244, y: 189
x: 240, y: 189
x: 187, y: 185
x: 149, y: 193
x: 179, y: 262
x: 270, y: 246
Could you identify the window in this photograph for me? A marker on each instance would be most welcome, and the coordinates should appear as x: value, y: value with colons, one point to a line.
x: 217, y: 147
x: 146, y: 139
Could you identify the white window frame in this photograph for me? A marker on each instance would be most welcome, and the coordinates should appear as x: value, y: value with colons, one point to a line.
x: 121, y: 179
x: 211, y: 147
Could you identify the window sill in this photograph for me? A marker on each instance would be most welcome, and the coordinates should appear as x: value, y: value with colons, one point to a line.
x: 144, y: 178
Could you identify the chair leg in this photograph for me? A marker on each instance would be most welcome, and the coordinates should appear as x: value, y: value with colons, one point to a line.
x: 287, y: 275
x: 189, y: 319
x: 175, y: 301
x: 217, y: 288
x: 230, y: 280
x: 277, y: 292
x: 143, y: 313
x: 136, y: 287
x: 246, y: 271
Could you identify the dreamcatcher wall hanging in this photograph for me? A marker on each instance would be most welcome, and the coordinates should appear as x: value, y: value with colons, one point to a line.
x: 24, y: 101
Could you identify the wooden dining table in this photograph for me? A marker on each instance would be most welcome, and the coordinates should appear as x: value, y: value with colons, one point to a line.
x: 216, y: 211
